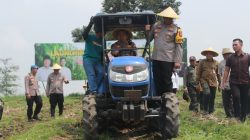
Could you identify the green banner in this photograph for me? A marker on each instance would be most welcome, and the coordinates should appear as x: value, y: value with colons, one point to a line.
x: 68, y: 55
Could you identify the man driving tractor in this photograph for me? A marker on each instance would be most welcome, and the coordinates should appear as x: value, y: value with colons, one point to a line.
x: 124, y: 42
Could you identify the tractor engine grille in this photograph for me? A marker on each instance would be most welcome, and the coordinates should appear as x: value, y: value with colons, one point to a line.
x: 121, y: 69
x: 119, y: 91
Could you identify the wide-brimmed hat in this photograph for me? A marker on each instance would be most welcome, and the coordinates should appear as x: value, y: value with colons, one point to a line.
x: 226, y: 51
x: 56, y: 67
x: 169, y: 13
x: 115, y: 33
x: 209, y: 50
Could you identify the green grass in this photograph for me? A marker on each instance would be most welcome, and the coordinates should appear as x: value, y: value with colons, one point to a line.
x: 14, y: 123
x: 193, y: 126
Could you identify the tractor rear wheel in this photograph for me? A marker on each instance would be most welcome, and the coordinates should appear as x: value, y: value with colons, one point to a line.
x: 170, y: 116
x: 90, y: 123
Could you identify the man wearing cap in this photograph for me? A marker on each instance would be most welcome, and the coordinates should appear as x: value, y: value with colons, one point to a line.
x: 124, y: 42
x: 167, y: 52
x: 32, y: 94
x: 207, y: 75
x: 226, y: 92
x: 237, y: 64
x: 54, y: 90
x: 92, y: 58
x: 190, y: 84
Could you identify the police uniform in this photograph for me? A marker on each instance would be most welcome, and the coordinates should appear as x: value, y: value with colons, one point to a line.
x: 166, y: 51
x: 207, y: 75
x: 32, y: 95
x: 54, y: 90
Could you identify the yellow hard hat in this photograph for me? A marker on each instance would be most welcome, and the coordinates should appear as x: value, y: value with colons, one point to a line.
x: 204, y: 52
x: 56, y: 67
x: 169, y: 13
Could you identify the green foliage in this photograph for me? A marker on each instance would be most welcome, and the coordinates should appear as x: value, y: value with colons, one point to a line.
x: 77, y: 34
x: 8, y: 77
x: 113, y: 6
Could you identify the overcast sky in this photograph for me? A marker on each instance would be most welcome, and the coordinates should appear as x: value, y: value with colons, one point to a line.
x: 206, y: 23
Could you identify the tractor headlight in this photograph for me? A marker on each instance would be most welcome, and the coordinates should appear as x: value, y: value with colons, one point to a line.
x: 136, y: 77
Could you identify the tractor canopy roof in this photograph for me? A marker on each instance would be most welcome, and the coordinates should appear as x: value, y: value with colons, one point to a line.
x: 125, y: 20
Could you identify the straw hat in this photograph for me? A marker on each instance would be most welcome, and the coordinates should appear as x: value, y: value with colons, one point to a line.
x: 226, y: 51
x: 115, y: 33
x: 209, y: 50
x: 169, y: 13
x: 56, y: 67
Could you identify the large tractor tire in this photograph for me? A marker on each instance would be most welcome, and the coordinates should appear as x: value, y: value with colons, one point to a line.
x: 170, y: 116
x: 90, y: 123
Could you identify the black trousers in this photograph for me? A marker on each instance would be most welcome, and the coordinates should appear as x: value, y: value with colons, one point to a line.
x: 240, y: 97
x: 200, y: 99
x: 162, y: 72
x: 208, y: 100
x: 56, y: 99
x: 227, y: 100
x: 248, y: 103
x: 174, y: 90
x: 30, y: 102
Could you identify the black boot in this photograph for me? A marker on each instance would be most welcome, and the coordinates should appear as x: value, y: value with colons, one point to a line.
x: 35, y: 117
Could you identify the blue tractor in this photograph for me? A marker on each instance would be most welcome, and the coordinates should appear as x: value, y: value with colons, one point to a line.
x: 130, y: 98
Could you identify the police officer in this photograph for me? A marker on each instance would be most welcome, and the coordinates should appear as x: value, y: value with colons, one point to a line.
x: 54, y: 90
x: 32, y: 94
x: 167, y: 53
x: 191, y: 84
x: 207, y: 75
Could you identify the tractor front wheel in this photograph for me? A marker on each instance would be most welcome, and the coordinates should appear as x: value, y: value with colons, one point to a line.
x: 170, y: 116
x: 90, y: 123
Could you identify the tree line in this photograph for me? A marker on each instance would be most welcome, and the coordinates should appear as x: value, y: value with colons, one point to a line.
x: 114, y: 6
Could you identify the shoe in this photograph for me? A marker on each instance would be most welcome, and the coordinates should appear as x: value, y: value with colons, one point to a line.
x: 99, y: 95
x: 36, y: 118
x: 30, y: 120
x: 1, y: 135
x: 242, y: 119
x: 92, y: 93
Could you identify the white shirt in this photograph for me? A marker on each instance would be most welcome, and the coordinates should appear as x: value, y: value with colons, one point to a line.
x: 175, y: 80
x: 43, y: 73
x: 66, y: 72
